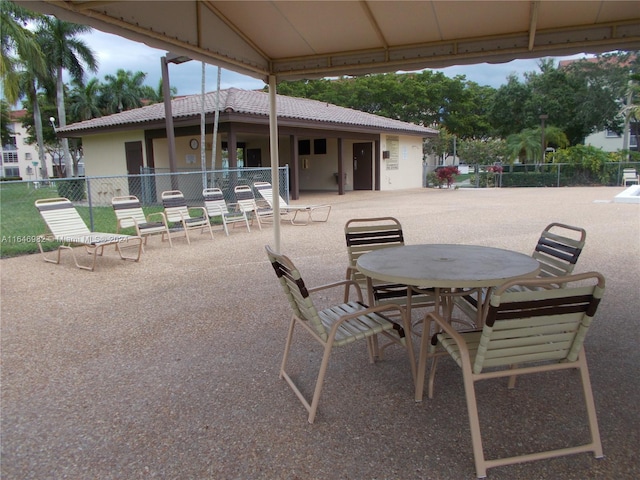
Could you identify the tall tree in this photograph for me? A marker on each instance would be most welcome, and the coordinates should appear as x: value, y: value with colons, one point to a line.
x: 508, y: 114
x: 5, y: 120
x: 123, y: 91
x: 84, y: 100
x: 29, y: 84
x: 65, y: 51
x: 16, y: 39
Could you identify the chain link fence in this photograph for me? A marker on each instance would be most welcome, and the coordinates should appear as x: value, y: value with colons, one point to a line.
x: 535, y: 175
x: 21, y: 224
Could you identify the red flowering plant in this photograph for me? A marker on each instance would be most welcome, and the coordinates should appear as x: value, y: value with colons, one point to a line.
x: 447, y: 174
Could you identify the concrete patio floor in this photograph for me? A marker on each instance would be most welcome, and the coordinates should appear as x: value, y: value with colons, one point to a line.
x: 168, y: 368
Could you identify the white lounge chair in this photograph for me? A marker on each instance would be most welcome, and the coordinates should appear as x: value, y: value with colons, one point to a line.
x: 129, y: 213
x: 247, y: 203
x: 266, y: 191
x: 216, y: 207
x: 67, y: 227
x: 178, y: 212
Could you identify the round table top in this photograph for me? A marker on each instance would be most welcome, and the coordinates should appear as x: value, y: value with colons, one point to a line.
x: 446, y: 266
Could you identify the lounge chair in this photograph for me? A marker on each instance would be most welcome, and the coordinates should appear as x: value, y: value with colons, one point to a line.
x: 630, y: 177
x: 129, y: 214
x: 216, y: 207
x: 531, y: 329
x: 67, y: 227
x: 334, y: 326
x: 178, y: 212
x: 247, y: 203
x: 266, y: 191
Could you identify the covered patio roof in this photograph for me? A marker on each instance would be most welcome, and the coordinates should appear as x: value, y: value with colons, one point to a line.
x: 278, y: 40
x: 311, y: 39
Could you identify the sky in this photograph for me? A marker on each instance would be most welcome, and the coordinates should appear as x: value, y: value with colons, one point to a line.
x: 115, y: 53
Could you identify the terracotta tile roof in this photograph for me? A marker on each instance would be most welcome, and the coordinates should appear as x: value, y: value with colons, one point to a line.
x: 255, y: 103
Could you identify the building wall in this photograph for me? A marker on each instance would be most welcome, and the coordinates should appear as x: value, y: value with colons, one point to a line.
x: 611, y: 142
x: 403, y: 168
x: 607, y: 142
x: 27, y: 155
x: 105, y: 155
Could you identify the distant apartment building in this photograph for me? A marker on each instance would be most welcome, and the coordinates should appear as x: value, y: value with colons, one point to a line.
x: 610, y: 141
x: 19, y: 159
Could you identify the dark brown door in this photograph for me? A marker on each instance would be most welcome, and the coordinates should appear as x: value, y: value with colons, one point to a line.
x: 362, y: 166
x: 133, y: 154
x: 254, y: 158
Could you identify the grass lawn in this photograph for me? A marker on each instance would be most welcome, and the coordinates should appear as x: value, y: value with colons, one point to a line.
x: 21, y: 223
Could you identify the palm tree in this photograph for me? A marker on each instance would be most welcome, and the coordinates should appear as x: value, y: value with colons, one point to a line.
x: 157, y: 95
x: 5, y: 121
x: 16, y: 39
x: 84, y: 100
x: 527, y: 144
x: 29, y: 81
x: 123, y: 91
x: 65, y: 52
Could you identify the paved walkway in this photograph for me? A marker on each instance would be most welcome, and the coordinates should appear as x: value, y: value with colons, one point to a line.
x: 168, y: 368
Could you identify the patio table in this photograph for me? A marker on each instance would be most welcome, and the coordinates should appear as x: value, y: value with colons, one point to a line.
x: 450, y: 270
x: 446, y: 268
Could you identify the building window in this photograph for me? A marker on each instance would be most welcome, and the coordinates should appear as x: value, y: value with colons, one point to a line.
x: 11, y: 172
x: 304, y: 147
x: 9, y: 157
x: 320, y: 146
x: 612, y: 134
x: 27, y: 156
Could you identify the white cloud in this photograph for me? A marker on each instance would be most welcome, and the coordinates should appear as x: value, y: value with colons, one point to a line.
x: 114, y: 53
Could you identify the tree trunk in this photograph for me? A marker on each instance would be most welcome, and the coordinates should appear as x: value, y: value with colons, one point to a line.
x: 62, y: 122
x: 37, y: 124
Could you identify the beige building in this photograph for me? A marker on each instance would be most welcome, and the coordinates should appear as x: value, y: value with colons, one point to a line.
x: 19, y: 159
x: 316, y: 140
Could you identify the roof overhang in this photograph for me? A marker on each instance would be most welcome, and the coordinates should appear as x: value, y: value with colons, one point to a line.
x: 313, y: 39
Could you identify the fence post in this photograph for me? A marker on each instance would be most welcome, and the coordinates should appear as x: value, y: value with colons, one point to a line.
x: 91, y: 223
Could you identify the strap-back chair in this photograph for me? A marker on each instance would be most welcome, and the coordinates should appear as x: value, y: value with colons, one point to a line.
x: 532, y: 328
x: 178, y: 212
x: 129, y: 214
x: 217, y: 207
x: 334, y: 326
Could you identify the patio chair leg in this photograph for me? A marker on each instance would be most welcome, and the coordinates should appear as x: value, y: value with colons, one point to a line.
x: 320, y: 381
x: 474, y: 422
x: 287, y: 347
x: 591, y: 407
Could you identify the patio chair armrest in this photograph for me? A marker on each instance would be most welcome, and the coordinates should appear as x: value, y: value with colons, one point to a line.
x: 214, y: 210
x: 202, y: 210
x: 160, y: 214
x: 346, y: 284
x: 447, y: 328
x: 368, y: 310
x: 350, y: 271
